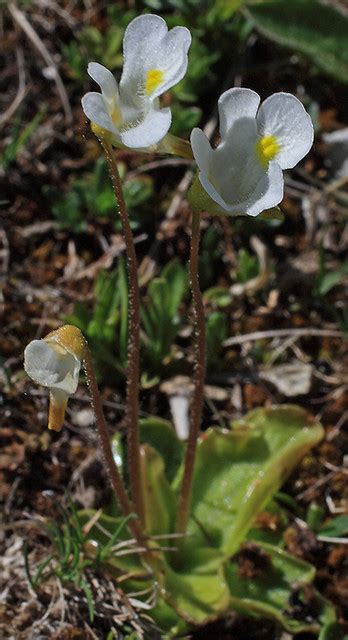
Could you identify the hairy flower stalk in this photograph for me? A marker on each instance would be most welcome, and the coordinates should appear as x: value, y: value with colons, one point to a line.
x: 126, y: 505
x: 133, y: 368
x: 199, y: 375
x: 55, y: 363
x: 242, y: 175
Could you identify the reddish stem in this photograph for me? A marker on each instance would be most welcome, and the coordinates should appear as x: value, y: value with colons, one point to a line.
x: 199, y: 375
x: 125, y: 504
x: 133, y: 368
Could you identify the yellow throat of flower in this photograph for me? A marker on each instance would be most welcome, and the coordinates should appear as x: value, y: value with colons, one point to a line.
x: 267, y: 148
x: 154, y: 78
x: 116, y: 115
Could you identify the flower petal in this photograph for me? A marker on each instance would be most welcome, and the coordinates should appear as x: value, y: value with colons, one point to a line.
x: 247, y: 189
x: 269, y: 191
x: 95, y: 109
x: 206, y: 158
x: 148, y: 48
x: 235, y: 104
x: 40, y: 363
x: 201, y: 149
x: 52, y: 366
x: 234, y: 171
x: 105, y: 79
x: 149, y: 131
x: 212, y: 192
x: 284, y: 116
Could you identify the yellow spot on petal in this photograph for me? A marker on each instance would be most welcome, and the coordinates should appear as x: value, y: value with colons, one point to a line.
x: 266, y: 149
x: 154, y: 77
x: 116, y: 116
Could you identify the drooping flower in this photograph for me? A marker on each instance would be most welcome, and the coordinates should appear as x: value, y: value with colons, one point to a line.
x: 243, y: 175
x: 154, y: 61
x: 55, y: 362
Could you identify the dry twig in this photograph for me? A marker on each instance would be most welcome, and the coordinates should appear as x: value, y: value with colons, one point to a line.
x: 21, y: 20
x: 282, y: 333
x: 21, y: 92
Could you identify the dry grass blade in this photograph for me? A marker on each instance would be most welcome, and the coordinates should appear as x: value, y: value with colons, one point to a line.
x: 283, y: 333
x: 21, y: 20
x: 21, y: 92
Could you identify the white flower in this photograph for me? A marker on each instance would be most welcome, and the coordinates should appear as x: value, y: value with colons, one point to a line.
x: 154, y: 61
x: 55, y: 362
x: 243, y: 175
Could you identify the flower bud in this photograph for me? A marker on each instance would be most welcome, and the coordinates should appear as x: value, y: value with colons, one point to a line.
x: 55, y: 362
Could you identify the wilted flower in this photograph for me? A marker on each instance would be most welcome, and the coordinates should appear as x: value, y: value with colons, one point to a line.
x: 243, y: 175
x: 154, y: 61
x: 55, y: 362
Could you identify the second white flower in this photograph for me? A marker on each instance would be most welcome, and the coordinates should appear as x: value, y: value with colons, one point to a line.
x: 243, y: 175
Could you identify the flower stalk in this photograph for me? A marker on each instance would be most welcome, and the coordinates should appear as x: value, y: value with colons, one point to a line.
x: 199, y: 375
x: 124, y: 502
x: 133, y: 368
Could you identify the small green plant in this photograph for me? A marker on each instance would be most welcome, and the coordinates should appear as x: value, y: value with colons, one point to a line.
x: 196, y: 504
x: 278, y: 21
x: 216, y: 333
x: 248, y: 266
x: 20, y: 136
x: 92, y: 44
x: 76, y: 560
x: 105, y: 325
x: 160, y: 316
x: 327, y: 280
x: 92, y: 195
x: 209, y: 256
x: 69, y: 559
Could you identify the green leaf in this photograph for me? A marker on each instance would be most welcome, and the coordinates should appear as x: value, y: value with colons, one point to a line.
x: 160, y: 315
x: 315, y: 515
x: 223, y: 10
x: 238, y: 471
x: 330, y: 280
x: 309, y: 27
x: 184, y: 119
x: 198, y: 592
x: 218, y: 296
x: 216, y: 333
x: 248, y: 266
x: 336, y: 528
x: 272, y: 214
x: 18, y: 139
x: 175, y: 276
x: 161, y: 436
x: 86, y: 588
x: 277, y: 590
x: 159, y: 499
x: 99, y: 536
x: 137, y: 192
x: 332, y: 631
